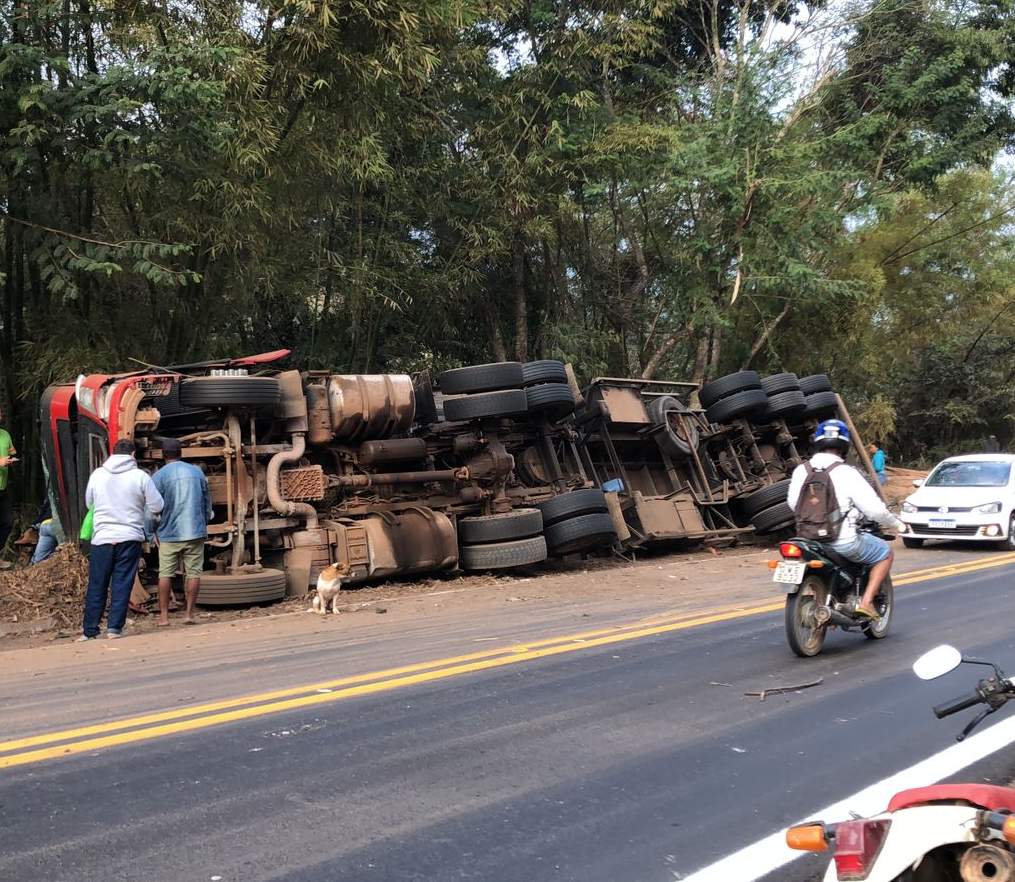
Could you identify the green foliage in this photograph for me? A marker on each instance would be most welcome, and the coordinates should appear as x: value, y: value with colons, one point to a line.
x: 654, y: 187
x: 875, y: 418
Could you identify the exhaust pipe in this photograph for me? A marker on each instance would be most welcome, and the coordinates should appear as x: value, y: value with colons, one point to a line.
x: 273, y: 479
x: 825, y: 614
x: 987, y: 863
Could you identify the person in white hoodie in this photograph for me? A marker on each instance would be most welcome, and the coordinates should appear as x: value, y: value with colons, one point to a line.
x: 120, y: 494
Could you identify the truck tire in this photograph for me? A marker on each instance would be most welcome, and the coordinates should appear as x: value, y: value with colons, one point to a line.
x: 230, y: 392
x: 775, y: 518
x: 750, y: 402
x: 237, y: 589
x: 815, y: 383
x: 503, y: 555
x: 821, y: 403
x: 547, y: 370
x: 764, y: 498
x: 670, y: 440
x: 573, y: 504
x: 783, y: 404
x: 481, y: 378
x: 584, y: 531
x: 488, y: 405
x: 712, y: 392
x: 777, y: 383
x: 554, y: 400
x: 522, y: 523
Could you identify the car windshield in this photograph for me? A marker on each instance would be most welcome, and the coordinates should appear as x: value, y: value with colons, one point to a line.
x: 970, y: 474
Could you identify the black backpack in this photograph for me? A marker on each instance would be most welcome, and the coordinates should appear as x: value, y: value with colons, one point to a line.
x: 817, y: 511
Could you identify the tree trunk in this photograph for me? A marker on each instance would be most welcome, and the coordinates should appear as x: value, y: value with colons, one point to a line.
x: 763, y: 337
x: 521, y: 301
x: 663, y: 350
x: 497, y: 339
x: 713, y: 364
x: 700, y: 358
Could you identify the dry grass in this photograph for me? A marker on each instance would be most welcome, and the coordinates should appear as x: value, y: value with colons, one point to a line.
x: 53, y: 589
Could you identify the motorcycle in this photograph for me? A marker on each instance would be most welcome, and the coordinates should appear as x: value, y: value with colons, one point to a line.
x: 823, y: 590
x: 941, y: 833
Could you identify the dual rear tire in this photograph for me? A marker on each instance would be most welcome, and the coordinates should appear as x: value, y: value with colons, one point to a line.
x: 501, y: 541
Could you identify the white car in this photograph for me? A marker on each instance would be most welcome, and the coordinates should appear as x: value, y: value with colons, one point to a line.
x: 971, y: 498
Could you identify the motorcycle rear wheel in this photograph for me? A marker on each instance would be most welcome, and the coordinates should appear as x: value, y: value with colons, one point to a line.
x: 804, y: 638
x: 884, y: 603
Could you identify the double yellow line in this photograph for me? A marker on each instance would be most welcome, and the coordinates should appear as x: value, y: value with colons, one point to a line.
x: 68, y: 742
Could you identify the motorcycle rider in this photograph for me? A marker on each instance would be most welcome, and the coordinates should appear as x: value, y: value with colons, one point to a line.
x: 856, y: 498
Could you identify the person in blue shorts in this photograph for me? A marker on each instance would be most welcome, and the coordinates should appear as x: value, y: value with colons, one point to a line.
x: 857, y: 499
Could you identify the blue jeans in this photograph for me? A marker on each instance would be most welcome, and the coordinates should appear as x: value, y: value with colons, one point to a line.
x: 46, y: 545
x: 864, y: 549
x: 110, y: 568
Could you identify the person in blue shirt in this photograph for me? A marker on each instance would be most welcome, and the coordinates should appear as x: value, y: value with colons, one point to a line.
x: 878, y: 461
x: 182, y: 531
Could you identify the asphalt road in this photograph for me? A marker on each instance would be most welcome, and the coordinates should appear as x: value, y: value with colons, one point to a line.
x: 636, y: 760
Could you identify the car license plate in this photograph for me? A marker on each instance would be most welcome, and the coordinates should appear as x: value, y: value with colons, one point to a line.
x: 941, y: 524
x: 790, y: 573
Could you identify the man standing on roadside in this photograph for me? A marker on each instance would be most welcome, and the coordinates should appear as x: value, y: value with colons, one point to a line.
x: 183, y: 528
x: 878, y: 460
x: 7, y: 457
x: 120, y: 495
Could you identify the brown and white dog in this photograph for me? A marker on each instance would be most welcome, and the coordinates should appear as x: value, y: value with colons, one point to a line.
x: 329, y: 583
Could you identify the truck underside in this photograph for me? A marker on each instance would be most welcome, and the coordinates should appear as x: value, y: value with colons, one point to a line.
x: 488, y: 467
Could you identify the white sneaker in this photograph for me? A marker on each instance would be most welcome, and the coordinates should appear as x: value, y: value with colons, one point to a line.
x: 114, y: 635
x: 84, y: 638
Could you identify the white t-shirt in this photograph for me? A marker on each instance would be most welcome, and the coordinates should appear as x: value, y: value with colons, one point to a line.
x: 856, y: 497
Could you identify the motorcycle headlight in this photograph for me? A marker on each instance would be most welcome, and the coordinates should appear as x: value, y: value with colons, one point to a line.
x: 908, y: 508
x: 989, y: 508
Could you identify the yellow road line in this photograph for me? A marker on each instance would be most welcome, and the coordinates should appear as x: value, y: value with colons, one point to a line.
x: 247, y: 707
x: 136, y: 735
x: 944, y: 569
x: 954, y: 569
x: 331, y: 685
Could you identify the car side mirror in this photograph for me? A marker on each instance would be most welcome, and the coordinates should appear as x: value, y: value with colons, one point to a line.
x: 937, y: 662
x: 918, y: 482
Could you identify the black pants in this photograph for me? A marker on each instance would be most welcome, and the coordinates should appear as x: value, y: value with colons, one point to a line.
x: 6, y: 516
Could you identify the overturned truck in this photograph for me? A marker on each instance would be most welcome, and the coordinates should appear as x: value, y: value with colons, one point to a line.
x: 485, y: 467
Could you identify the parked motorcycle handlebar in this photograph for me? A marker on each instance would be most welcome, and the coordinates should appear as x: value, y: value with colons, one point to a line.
x: 957, y: 704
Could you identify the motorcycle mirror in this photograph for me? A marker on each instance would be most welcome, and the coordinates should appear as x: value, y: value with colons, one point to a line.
x: 937, y: 662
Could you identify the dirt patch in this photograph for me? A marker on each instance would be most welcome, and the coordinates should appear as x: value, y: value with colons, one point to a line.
x: 900, y: 484
x: 42, y: 603
x: 46, y: 597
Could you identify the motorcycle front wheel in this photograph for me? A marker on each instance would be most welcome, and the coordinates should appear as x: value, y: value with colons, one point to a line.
x: 804, y: 636
x: 884, y: 603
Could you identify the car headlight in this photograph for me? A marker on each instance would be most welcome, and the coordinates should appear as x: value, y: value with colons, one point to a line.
x: 908, y: 508
x: 989, y: 508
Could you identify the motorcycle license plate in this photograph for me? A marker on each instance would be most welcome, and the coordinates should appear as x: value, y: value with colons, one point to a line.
x: 942, y: 524
x: 789, y: 573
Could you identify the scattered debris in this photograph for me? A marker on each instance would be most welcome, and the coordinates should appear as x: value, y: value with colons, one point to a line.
x: 715, y: 683
x: 780, y: 690
x: 50, y: 593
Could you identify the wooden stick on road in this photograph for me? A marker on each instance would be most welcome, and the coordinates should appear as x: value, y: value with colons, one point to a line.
x: 779, y: 690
